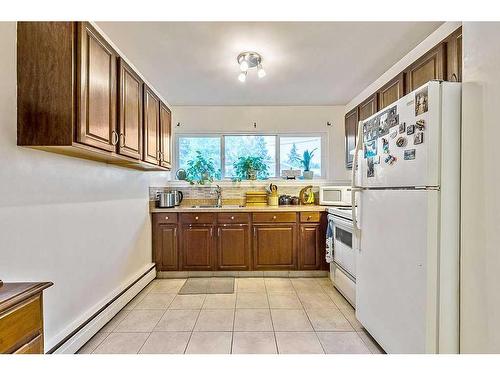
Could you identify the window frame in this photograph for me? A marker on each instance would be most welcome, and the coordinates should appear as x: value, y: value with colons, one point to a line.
x: 322, y: 135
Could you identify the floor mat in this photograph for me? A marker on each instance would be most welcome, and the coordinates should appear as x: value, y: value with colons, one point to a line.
x: 208, y: 285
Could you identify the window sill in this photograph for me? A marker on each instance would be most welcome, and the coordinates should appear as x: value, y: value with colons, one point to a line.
x: 259, y: 183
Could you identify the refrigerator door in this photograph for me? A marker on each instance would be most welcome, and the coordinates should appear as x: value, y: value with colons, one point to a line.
x: 396, y: 268
x: 410, y: 163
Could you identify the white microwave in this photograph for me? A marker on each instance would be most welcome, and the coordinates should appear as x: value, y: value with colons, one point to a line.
x: 335, y: 195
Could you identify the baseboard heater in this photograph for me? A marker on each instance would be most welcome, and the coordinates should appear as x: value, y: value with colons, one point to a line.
x: 84, y: 332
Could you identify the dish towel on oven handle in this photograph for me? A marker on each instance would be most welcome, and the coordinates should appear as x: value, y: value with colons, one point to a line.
x: 329, y: 242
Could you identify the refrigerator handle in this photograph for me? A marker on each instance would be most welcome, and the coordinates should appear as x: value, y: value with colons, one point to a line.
x: 357, y: 229
x: 354, y: 187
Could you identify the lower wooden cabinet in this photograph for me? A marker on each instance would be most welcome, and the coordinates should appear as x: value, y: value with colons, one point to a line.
x: 275, y: 246
x: 197, y: 247
x: 233, y: 247
x: 232, y: 242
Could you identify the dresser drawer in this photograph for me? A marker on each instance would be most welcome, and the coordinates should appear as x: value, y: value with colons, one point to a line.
x: 165, y: 218
x: 274, y: 217
x: 20, y: 324
x: 198, y: 218
x: 310, y: 217
x: 232, y: 217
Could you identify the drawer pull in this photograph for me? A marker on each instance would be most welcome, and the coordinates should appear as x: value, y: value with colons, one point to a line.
x: 232, y: 217
x: 196, y: 218
x: 309, y: 217
x: 166, y: 217
x: 274, y: 217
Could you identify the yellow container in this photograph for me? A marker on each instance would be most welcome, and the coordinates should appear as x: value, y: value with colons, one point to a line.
x: 273, y: 200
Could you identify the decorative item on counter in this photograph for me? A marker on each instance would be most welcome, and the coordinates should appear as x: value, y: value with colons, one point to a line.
x: 419, y: 138
x: 390, y: 159
x: 410, y: 129
x: 385, y: 145
x: 256, y: 198
x: 401, y: 141
x: 306, y: 163
x: 295, y: 201
x: 201, y: 170
x: 307, y: 195
x: 272, y: 199
x: 370, y: 170
x: 250, y: 168
x: 421, y: 101
x: 290, y: 174
x: 181, y: 174
x: 410, y: 154
x: 394, y: 133
x: 402, y: 127
x: 285, y: 200
x: 420, y: 125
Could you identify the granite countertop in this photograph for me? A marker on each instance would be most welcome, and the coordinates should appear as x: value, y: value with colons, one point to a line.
x: 235, y: 208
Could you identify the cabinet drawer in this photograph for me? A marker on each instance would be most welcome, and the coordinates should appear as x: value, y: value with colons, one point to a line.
x: 165, y: 218
x: 198, y: 218
x: 20, y: 323
x: 274, y: 217
x: 310, y: 217
x: 35, y: 346
x: 232, y: 217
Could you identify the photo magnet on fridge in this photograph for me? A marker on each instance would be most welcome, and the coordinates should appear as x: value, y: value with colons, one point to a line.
x: 370, y: 149
x: 402, y: 127
x: 410, y: 154
x: 420, y: 125
x: 410, y: 129
x: 376, y: 159
x: 401, y: 141
x: 394, y: 133
x: 421, y: 101
x: 385, y: 146
x: 370, y: 171
x: 419, y: 138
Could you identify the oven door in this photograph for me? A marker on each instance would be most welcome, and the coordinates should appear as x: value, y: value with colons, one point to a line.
x: 343, y: 254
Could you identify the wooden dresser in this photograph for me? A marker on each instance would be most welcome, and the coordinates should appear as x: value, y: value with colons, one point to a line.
x: 21, y: 317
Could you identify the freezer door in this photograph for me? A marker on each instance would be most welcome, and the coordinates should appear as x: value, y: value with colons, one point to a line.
x: 396, y: 268
x: 415, y: 164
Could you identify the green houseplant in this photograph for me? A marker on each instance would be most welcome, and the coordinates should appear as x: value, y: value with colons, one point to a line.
x: 201, y: 170
x: 306, y: 163
x: 250, y: 168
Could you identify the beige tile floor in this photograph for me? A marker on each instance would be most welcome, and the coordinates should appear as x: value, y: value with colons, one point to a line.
x: 262, y: 316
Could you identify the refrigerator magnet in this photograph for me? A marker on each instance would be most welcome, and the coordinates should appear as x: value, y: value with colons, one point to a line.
x: 402, y: 127
x: 419, y: 138
x: 390, y: 159
x: 410, y: 129
x: 401, y: 141
x: 370, y: 171
x: 410, y: 154
x: 385, y: 146
x: 376, y: 159
x: 370, y: 149
x: 421, y: 101
x: 393, y: 121
x: 420, y: 125
x: 394, y: 134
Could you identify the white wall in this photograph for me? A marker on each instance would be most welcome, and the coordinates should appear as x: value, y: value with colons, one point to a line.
x: 298, y: 119
x: 480, y: 278
x: 80, y: 224
x: 437, y: 36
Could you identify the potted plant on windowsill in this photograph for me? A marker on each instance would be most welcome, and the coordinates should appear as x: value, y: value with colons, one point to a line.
x: 201, y: 170
x: 306, y: 163
x: 250, y: 168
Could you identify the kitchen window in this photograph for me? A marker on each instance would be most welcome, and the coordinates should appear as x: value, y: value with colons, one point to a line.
x: 279, y: 151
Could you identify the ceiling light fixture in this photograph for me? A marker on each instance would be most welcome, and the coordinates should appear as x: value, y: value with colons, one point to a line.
x: 250, y: 60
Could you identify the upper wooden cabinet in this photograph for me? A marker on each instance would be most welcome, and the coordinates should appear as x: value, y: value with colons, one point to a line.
x: 96, y: 90
x: 368, y: 107
x: 130, y: 124
x: 454, y: 56
x: 165, y: 136
x: 77, y: 97
x: 391, y: 91
x: 351, y: 127
x: 151, y: 126
x: 431, y: 66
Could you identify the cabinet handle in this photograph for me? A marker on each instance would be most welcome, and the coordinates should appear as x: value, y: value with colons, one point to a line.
x: 232, y: 217
x: 274, y: 217
x: 218, y: 232
x: 196, y: 218
x: 309, y: 217
x: 122, y: 140
x: 211, y: 232
x: 166, y: 217
x: 114, y: 138
x: 175, y: 232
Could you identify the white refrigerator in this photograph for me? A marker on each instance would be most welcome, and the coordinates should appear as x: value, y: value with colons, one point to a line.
x: 406, y: 189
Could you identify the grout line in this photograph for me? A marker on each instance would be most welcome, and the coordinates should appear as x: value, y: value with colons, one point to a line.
x: 271, y: 316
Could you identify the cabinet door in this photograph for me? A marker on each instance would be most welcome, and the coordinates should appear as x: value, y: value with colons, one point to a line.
x: 151, y: 126
x: 165, y: 247
x: 454, y: 56
x: 351, y: 127
x: 130, y: 112
x: 233, y: 247
x: 197, y: 244
x: 430, y: 66
x: 368, y: 107
x: 96, y: 71
x: 165, y: 136
x: 391, y: 91
x: 310, y: 247
x: 274, y: 247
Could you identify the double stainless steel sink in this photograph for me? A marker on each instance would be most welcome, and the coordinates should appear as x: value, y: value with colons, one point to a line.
x: 221, y: 207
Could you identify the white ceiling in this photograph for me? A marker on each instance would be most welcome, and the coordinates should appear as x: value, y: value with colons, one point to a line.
x: 307, y: 63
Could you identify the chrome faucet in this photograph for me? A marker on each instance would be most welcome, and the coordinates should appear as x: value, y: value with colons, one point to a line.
x: 218, y: 191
